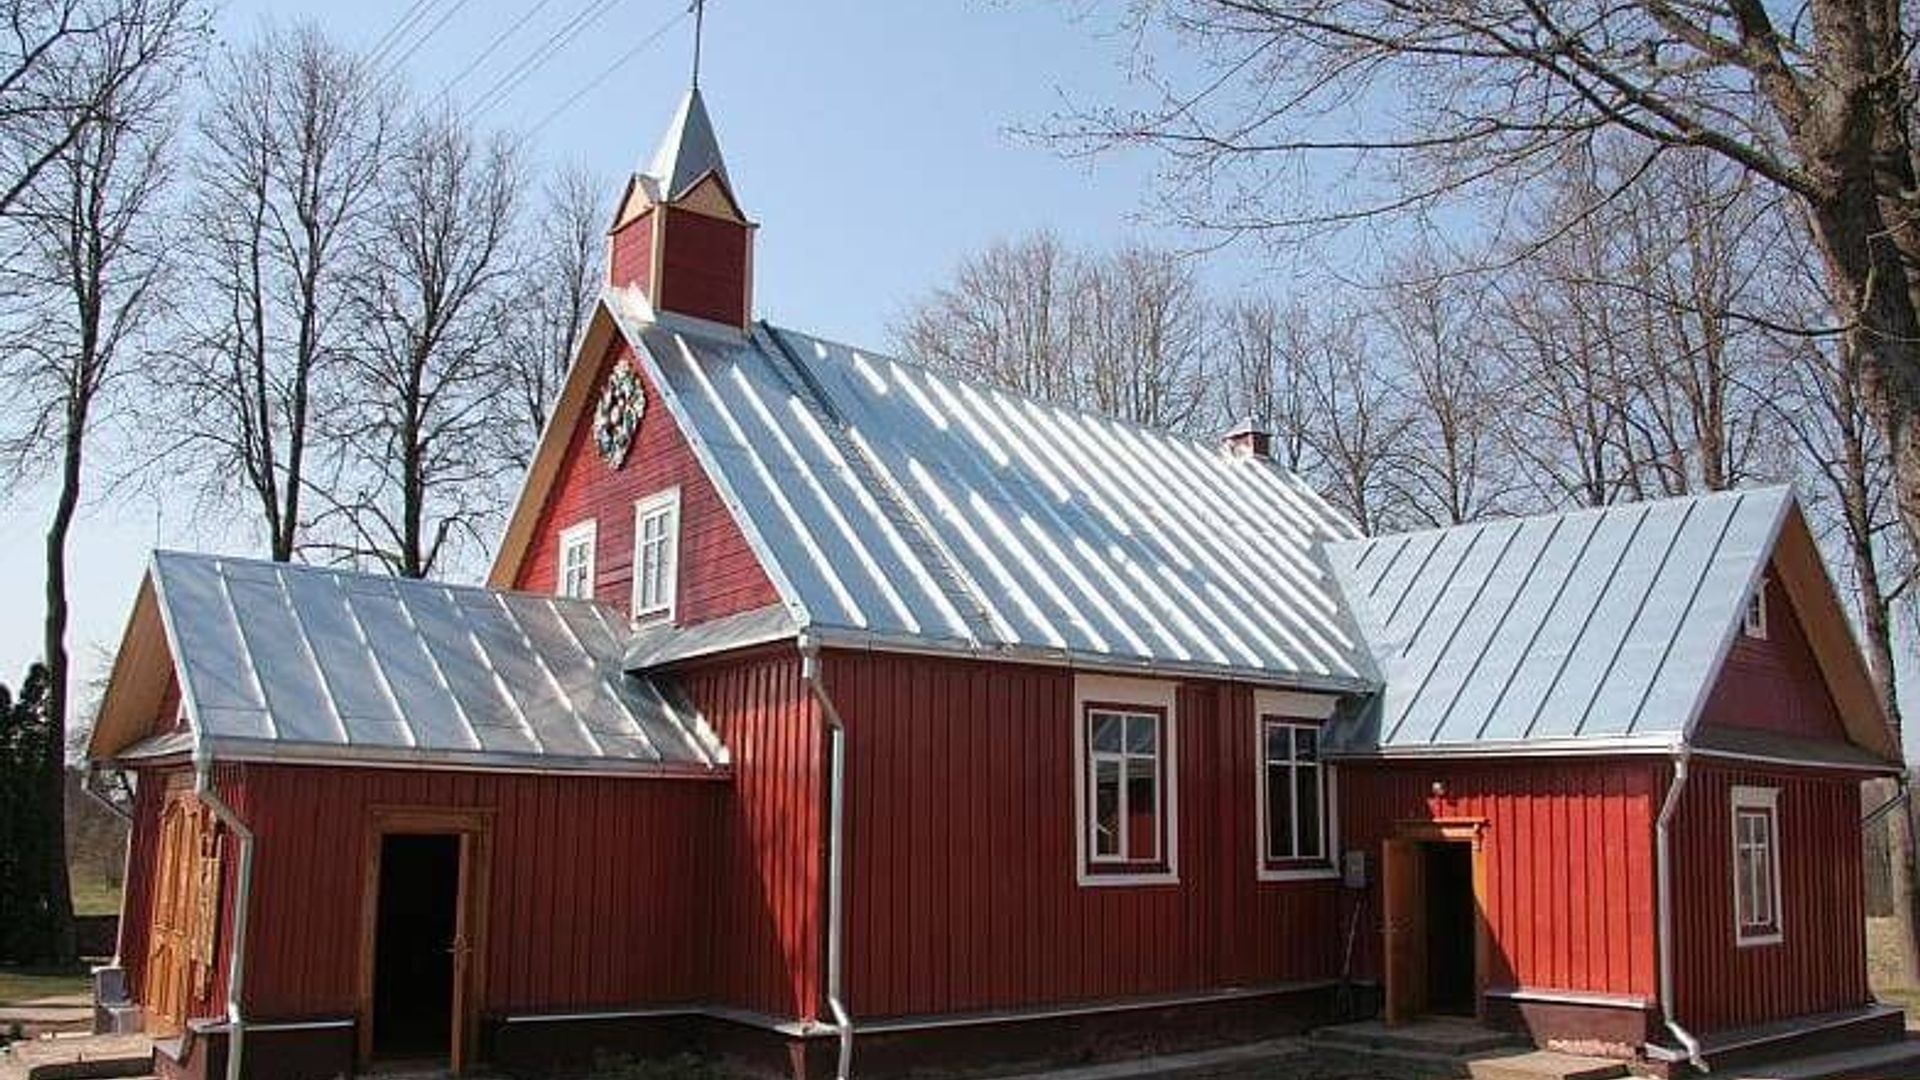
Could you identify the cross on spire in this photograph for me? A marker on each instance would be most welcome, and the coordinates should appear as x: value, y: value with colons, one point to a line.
x: 699, y: 9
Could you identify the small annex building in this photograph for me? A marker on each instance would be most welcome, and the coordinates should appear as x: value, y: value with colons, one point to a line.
x: 843, y: 717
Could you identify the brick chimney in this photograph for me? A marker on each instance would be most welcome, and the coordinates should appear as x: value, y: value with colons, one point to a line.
x: 1250, y: 438
x: 680, y: 236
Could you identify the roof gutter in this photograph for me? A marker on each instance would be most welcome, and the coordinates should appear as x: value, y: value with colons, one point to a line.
x: 242, y: 901
x: 1663, y: 873
x: 836, y: 845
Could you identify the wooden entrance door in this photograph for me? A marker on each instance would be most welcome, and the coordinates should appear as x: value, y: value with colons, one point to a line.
x: 186, y: 892
x: 474, y: 830
x: 1403, y: 887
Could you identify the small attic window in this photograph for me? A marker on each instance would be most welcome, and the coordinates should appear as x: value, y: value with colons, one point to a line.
x: 1754, y: 625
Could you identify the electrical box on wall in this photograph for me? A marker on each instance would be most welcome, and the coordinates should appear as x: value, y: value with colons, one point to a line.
x: 1353, y: 869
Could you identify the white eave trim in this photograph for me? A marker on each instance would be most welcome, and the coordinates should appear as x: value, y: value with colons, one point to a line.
x: 265, y: 751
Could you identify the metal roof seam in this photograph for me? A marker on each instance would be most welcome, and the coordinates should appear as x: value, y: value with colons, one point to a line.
x: 1493, y: 633
x: 1419, y: 571
x: 313, y: 658
x: 246, y: 650
x: 1776, y: 525
x: 439, y: 673
x: 965, y: 587
x: 797, y: 525
x: 1453, y: 631
x: 1680, y: 620
x: 501, y: 686
x: 1546, y: 614
x: 375, y: 661
x: 546, y: 670
x: 1641, y: 514
x: 1639, y: 608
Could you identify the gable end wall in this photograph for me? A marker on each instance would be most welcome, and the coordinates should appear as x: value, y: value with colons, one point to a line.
x: 719, y: 573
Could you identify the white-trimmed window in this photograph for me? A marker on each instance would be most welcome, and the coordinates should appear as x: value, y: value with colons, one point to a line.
x: 1295, y: 787
x: 1754, y: 624
x: 1756, y: 865
x: 1126, y: 793
x: 576, y: 560
x: 656, y: 555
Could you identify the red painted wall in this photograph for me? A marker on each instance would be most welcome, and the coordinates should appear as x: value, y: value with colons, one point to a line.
x: 704, y: 265
x: 719, y: 574
x: 770, y: 844
x: 136, y: 901
x: 1774, y: 684
x: 579, y: 918
x: 1820, y: 963
x: 1570, y: 864
x: 963, y: 891
x: 632, y: 253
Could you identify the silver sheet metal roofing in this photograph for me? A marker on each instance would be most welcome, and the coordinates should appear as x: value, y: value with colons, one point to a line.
x: 302, y: 662
x: 1597, y: 627
x: 896, y: 506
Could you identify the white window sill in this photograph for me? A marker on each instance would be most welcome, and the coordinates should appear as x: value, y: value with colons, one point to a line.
x: 1763, y: 939
x: 1316, y: 873
x: 1099, y: 881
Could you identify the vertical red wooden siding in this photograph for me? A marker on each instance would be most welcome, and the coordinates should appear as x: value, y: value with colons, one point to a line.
x: 1819, y: 965
x: 136, y: 899
x: 769, y: 848
x: 598, y: 897
x: 963, y: 892
x: 1570, y: 862
x: 632, y: 253
x: 718, y: 572
x: 704, y: 266
x: 1774, y: 683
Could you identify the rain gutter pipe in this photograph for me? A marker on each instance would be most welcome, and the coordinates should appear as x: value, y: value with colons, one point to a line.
x: 242, y: 901
x: 1663, y: 873
x: 836, y: 844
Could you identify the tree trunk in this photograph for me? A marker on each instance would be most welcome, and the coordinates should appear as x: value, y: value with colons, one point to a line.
x: 59, y: 890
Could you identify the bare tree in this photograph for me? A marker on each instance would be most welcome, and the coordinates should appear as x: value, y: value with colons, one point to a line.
x: 1262, y: 348
x: 1006, y: 318
x: 88, y: 278
x: 291, y: 143
x: 1139, y: 335
x: 562, y: 271
x: 1818, y: 108
x: 67, y: 64
x: 1452, y: 469
x: 1357, y: 429
x: 426, y: 437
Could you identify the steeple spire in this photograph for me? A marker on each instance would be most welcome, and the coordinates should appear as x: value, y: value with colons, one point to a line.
x: 699, y: 28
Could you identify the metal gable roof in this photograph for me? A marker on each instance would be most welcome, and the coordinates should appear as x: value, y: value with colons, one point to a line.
x: 896, y: 506
x: 302, y: 663
x: 1596, y: 628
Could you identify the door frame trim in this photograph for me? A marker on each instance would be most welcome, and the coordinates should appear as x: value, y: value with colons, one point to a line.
x: 1472, y: 831
x: 474, y: 827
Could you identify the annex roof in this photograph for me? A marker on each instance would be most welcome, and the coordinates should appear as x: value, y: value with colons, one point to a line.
x: 1593, y: 629
x: 895, y: 506
x: 288, y: 662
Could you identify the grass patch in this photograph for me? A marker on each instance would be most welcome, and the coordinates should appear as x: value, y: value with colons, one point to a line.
x: 93, y: 895
x: 18, y: 985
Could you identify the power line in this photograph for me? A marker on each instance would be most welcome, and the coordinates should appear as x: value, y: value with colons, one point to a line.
x: 494, y: 45
x: 558, y: 40
x: 445, y: 17
x: 619, y: 62
x: 407, y: 20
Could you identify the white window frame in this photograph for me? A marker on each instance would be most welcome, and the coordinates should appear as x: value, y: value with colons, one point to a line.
x: 1753, y: 620
x: 573, y: 536
x: 1756, y: 799
x: 1098, y: 690
x: 1304, y: 710
x: 666, y: 609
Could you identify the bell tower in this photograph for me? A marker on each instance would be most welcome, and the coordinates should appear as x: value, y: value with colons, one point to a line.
x: 679, y: 235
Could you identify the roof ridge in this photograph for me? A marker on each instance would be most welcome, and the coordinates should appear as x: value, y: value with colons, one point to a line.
x: 1779, y: 487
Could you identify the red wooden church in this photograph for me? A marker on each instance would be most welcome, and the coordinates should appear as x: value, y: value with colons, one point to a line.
x: 840, y: 716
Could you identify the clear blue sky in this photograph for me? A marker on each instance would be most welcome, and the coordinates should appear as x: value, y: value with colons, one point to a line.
x: 868, y: 139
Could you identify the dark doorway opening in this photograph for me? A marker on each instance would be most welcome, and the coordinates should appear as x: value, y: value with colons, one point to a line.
x: 1450, y: 927
x: 419, y: 905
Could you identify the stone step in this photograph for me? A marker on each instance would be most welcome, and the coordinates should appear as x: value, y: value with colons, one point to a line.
x: 1883, y: 1062
x: 1544, y: 1065
x: 1452, y: 1039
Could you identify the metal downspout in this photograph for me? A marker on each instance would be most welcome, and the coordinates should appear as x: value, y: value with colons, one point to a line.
x: 1900, y: 798
x: 1663, y: 874
x: 242, y: 900
x: 836, y: 832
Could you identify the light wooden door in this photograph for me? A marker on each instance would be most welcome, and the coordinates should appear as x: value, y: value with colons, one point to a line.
x: 180, y: 938
x: 1403, y: 924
